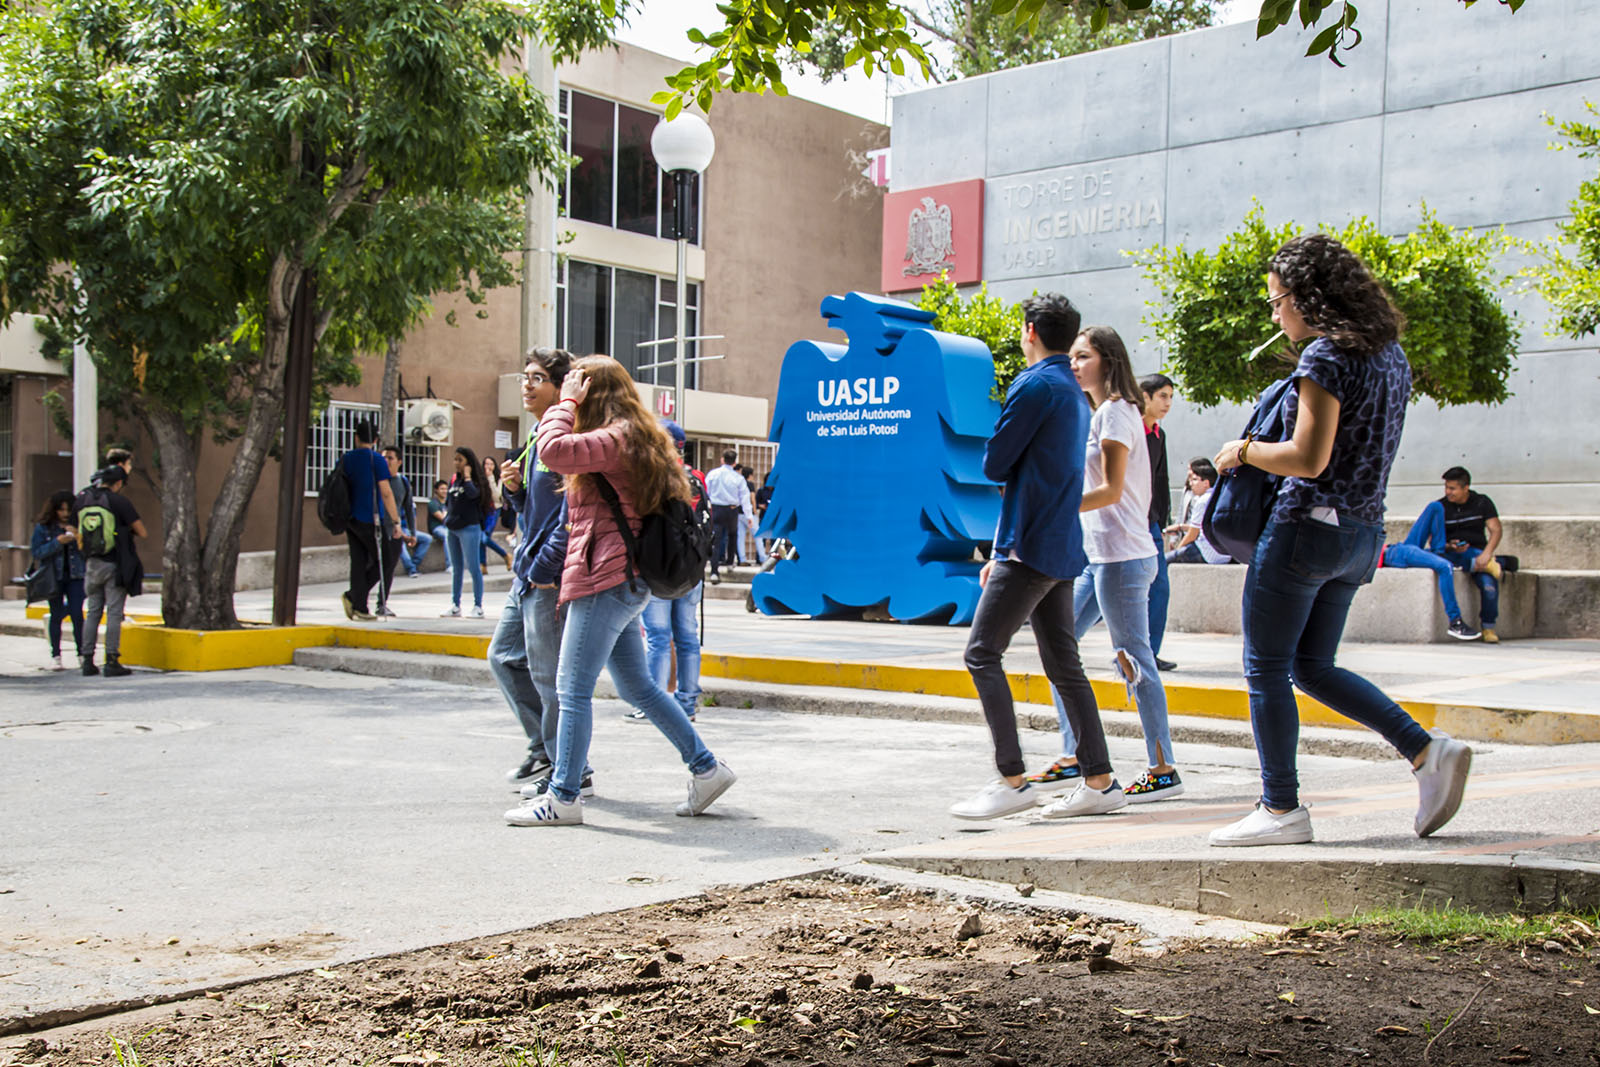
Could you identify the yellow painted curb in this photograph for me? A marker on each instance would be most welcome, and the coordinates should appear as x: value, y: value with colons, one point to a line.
x: 469, y: 645
x: 169, y: 649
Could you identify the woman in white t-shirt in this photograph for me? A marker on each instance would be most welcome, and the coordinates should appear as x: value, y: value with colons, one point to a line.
x: 1122, y: 566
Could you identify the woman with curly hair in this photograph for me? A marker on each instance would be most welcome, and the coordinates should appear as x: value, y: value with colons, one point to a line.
x: 599, y: 431
x: 55, y: 540
x: 1344, y: 418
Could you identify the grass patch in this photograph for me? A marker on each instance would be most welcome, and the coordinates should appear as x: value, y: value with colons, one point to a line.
x: 1456, y: 924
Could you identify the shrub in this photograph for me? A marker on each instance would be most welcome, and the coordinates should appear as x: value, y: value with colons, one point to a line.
x: 981, y: 316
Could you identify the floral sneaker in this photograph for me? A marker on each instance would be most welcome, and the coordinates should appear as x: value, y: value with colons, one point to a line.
x: 1152, y: 786
x: 1059, y: 775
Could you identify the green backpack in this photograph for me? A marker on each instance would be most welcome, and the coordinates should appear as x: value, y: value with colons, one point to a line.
x: 97, y: 526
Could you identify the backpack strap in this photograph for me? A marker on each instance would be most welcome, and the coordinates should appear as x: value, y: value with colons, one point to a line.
x: 609, y: 494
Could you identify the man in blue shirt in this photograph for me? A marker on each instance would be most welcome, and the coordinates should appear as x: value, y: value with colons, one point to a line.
x: 369, y: 488
x: 1037, y: 453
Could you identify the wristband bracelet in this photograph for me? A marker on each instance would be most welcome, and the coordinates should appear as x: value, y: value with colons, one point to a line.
x: 1243, y: 449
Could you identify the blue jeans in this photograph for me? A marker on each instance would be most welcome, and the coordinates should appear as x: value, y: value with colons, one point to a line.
x: 1160, y: 592
x: 1424, y: 547
x: 1120, y: 592
x: 669, y: 624
x: 522, y: 657
x: 602, y: 630
x: 461, y: 548
x: 412, y: 558
x: 68, y: 603
x: 1296, y: 597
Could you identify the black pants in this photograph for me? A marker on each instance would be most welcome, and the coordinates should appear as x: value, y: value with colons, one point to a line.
x: 391, y: 556
x: 366, y: 563
x: 725, y: 525
x: 1016, y: 593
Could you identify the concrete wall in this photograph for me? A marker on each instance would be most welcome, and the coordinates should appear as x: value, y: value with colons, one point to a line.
x: 788, y: 220
x: 1169, y: 141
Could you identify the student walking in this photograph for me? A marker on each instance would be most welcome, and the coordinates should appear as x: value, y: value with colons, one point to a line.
x: 465, y: 504
x: 491, y: 519
x: 1343, y: 418
x: 1123, y: 559
x: 671, y: 631
x: 1037, y: 454
x: 371, y: 499
x: 1158, y: 393
x: 600, y: 430
x: 55, y: 542
x: 527, y: 640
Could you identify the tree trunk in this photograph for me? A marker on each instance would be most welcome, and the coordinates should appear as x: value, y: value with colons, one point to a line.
x: 183, y: 600
x: 389, y: 397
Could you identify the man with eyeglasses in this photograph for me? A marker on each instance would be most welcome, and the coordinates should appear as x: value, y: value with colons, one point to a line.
x: 527, y: 639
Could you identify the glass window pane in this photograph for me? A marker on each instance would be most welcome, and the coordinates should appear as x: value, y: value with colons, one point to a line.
x: 669, y: 197
x: 637, y: 173
x: 588, y: 325
x: 691, y: 374
x: 589, y: 190
x: 635, y: 321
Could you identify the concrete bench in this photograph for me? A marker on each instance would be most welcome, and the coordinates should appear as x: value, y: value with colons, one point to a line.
x: 1540, y: 543
x: 1400, y: 605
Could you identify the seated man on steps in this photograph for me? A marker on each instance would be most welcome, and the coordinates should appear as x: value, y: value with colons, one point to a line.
x: 1461, y: 529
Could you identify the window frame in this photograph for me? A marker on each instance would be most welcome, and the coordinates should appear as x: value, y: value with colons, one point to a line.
x: 564, y: 190
x: 320, y: 457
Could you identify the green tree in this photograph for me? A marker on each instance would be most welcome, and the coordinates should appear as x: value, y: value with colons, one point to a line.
x: 981, y: 41
x: 983, y: 317
x: 756, y: 35
x: 1569, y: 277
x: 193, y: 160
x: 1212, y: 310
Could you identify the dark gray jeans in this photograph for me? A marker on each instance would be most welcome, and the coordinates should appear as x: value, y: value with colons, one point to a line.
x: 1017, y: 593
x: 106, y: 596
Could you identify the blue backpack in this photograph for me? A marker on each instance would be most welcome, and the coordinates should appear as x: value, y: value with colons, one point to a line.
x: 1242, y: 500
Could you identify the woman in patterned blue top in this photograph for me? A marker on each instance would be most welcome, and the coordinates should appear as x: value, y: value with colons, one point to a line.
x: 1321, y: 543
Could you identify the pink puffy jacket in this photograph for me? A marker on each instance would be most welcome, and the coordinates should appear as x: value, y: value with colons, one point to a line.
x: 597, y: 557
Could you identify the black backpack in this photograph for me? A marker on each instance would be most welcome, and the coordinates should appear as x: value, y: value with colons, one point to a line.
x: 333, y: 500
x: 672, y: 548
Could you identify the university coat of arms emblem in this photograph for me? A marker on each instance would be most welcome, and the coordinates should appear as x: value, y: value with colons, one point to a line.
x: 930, y: 245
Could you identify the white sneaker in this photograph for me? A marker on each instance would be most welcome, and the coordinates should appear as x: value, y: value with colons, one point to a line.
x: 702, y: 791
x: 997, y: 798
x: 1086, y: 800
x: 477, y: 611
x: 56, y: 664
x: 1262, y: 827
x: 454, y: 612
x: 1440, y: 781
x: 546, y: 810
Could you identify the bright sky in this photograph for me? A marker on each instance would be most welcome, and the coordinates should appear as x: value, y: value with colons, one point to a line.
x: 663, y: 26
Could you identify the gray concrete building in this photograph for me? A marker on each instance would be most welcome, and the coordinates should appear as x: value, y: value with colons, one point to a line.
x: 1169, y: 141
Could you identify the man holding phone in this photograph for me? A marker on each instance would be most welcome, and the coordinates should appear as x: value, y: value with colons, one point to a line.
x: 1461, y: 530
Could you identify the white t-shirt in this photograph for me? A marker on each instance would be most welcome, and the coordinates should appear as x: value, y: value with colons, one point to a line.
x: 1208, y: 551
x: 1122, y: 531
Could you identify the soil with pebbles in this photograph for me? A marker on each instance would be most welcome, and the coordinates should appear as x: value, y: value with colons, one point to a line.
x: 831, y: 971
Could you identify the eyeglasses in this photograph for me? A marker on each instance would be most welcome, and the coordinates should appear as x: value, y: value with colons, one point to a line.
x: 533, y: 379
x: 1273, y: 300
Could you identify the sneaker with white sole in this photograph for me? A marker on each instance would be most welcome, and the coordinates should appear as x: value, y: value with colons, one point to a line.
x: 452, y: 612
x: 1262, y: 827
x: 546, y: 811
x: 1461, y: 631
x: 1058, y: 776
x: 704, y: 790
x: 477, y: 611
x: 539, y: 787
x: 1440, y: 781
x: 997, y: 798
x: 1153, y: 785
x: 1086, y: 800
x: 532, y: 769
x: 56, y: 664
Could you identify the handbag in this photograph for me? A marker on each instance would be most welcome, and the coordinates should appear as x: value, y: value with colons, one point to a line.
x: 1243, y: 498
x: 42, y: 581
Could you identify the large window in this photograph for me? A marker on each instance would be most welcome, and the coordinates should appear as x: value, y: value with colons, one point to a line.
x: 615, y: 181
x: 335, y: 434
x: 613, y: 311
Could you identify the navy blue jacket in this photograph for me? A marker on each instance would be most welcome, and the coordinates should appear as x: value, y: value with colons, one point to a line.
x: 1037, y: 451
x: 541, y: 510
x: 68, y: 560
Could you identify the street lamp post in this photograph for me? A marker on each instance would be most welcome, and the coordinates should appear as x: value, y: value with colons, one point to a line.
x: 683, y: 148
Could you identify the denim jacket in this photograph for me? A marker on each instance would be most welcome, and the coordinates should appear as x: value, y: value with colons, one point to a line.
x: 69, y: 561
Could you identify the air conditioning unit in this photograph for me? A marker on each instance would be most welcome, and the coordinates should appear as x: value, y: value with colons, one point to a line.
x: 430, y: 422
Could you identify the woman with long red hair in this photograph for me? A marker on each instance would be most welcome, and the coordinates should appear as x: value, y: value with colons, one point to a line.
x: 599, y: 430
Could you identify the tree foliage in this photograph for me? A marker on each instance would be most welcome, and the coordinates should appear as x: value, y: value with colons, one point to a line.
x: 1569, y: 277
x: 747, y: 50
x: 983, y: 317
x: 193, y: 160
x: 981, y: 41
x: 1212, y: 310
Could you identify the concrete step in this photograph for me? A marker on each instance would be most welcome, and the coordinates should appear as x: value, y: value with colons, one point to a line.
x: 1568, y: 604
x: 862, y: 703
x: 1540, y: 542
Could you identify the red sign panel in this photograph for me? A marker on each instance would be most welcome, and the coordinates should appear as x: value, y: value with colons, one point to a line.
x: 932, y: 231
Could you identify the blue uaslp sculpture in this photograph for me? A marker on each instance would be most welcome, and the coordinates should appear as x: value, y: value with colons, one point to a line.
x: 879, y: 479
